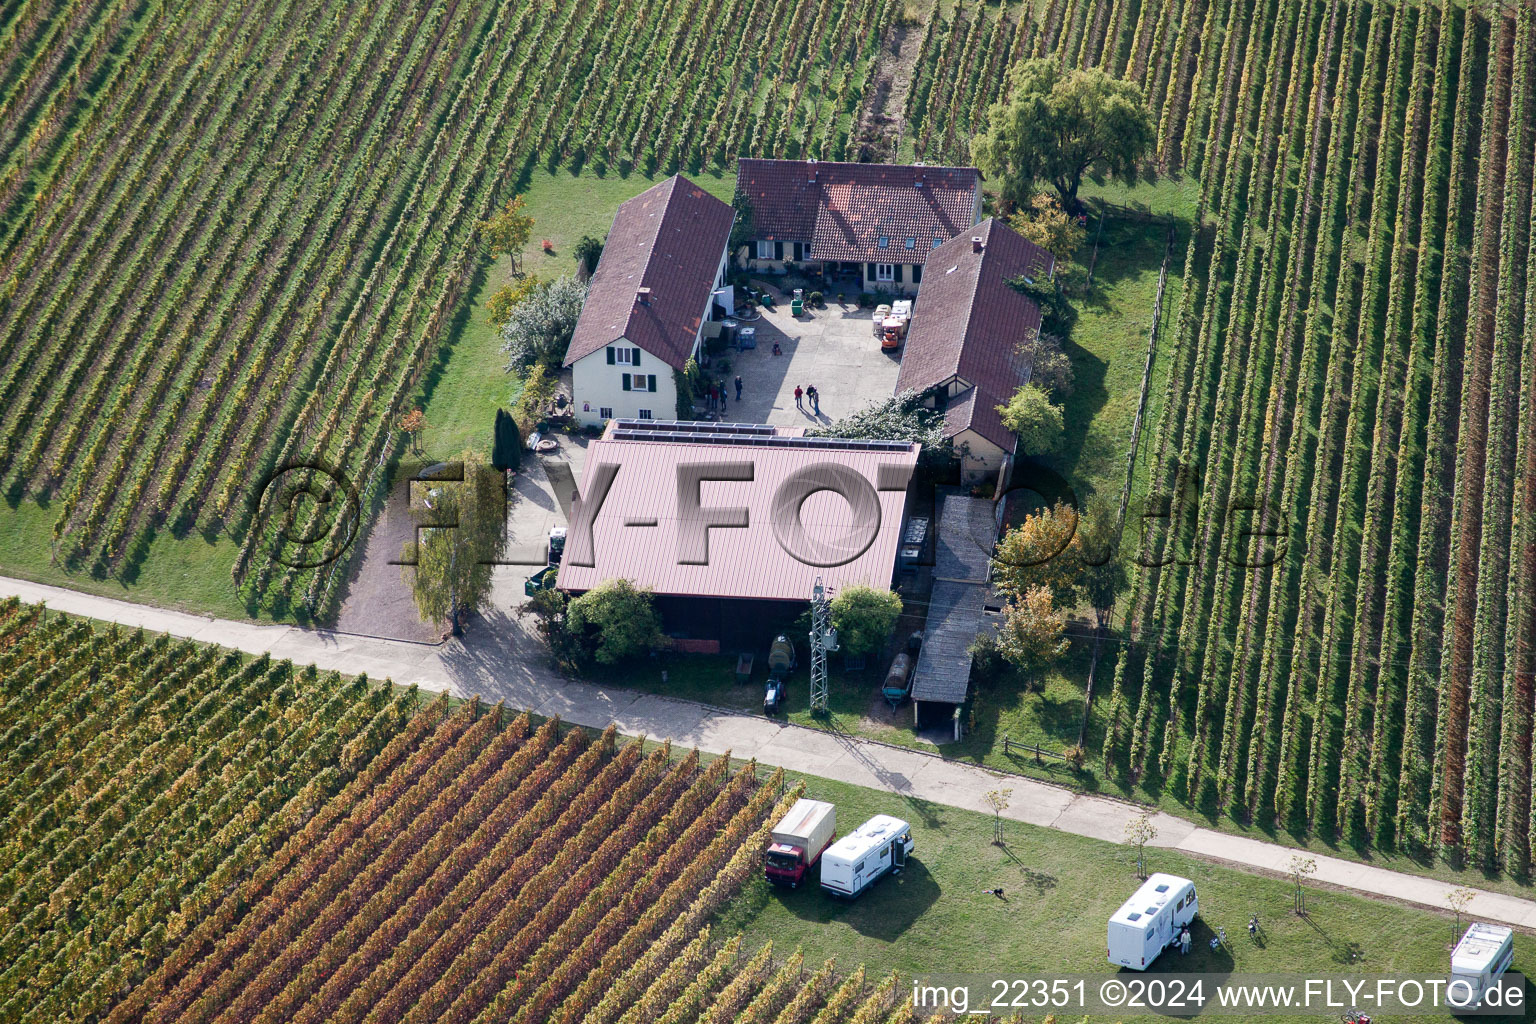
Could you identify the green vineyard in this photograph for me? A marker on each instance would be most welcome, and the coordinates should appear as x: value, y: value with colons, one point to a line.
x: 1353, y: 400
x: 231, y: 236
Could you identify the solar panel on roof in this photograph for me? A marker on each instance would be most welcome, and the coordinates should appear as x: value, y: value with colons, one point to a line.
x: 626, y: 432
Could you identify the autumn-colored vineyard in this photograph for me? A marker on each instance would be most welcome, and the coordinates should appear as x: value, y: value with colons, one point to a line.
x: 1354, y: 362
x: 193, y: 836
x: 231, y: 235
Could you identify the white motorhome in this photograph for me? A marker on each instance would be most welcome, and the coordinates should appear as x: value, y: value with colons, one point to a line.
x: 852, y: 864
x: 1483, y: 953
x: 1150, y: 921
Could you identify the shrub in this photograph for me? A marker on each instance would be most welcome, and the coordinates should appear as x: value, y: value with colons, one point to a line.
x: 614, y: 622
x: 814, y: 298
x: 540, y: 327
x: 864, y: 618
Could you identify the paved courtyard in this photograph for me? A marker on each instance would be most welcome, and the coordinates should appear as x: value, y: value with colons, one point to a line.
x: 834, y: 348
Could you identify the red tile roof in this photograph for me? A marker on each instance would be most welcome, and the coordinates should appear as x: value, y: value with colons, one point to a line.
x: 669, y: 239
x: 844, y: 209
x: 970, y: 323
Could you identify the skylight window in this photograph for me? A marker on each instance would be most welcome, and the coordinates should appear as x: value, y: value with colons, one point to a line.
x: 885, y: 243
x: 938, y: 242
x: 1162, y: 888
x: 911, y: 243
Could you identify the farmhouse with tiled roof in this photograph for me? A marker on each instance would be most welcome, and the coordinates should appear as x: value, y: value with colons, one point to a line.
x: 649, y: 299
x: 971, y: 344
x: 876, y: 223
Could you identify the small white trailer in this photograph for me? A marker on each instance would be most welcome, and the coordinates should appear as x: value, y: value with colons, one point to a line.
x: 1151, y: 920
x: 1483, y: 953
x: 853, y: 863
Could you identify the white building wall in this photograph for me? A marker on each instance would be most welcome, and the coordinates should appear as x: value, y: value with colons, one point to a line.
x: 596, y: 385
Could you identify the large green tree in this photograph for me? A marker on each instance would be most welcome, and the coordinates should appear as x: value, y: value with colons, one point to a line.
x: 864, y: 617
x: 1037, y: 420
x: 614, y: 622
x: 462, y: 535
x: 539, y: 328
x: 1056, y: 125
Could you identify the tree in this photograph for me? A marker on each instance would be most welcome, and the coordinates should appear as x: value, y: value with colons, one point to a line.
x: 997, y: 799
x: 1050, y: 367
x: 1037, y: 553
x: 538, y: 388
x: 1139, y: 831
x: 1050, y: 227
x: 1032, y: 415
x: 864, y: 617
x: 413, y: 423
x: 588, y: 251
x: 498, y: 309
x: 461, y: 534
x: 1301, y: 867
x: 1031, y: 634
x: 1056, y: 125
x: 902, y: 417
x: 614, y: 622
x: 687, y: 383
x: 550, y: 610
x: 506, y: 443
x: 507, y: 230
x: 539, y: 328
x: 1459, y: 899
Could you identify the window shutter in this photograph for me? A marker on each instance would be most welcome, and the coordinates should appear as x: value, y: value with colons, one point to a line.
x: 898, y: 272
x: 650, y: 381
x: 610, y: 355
x: 635, y: 356
x: 625, y: 380
x: 871, y: 271
x: 778, y: 250
x: 917, y: 273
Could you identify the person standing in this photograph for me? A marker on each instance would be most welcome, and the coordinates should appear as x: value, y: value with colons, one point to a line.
x: 799, y: 395
x: 738, y: 387
x: 815, y: 399
x: 1184, y: 941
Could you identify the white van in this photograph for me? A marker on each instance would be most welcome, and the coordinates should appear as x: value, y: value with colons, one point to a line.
x: 1150, y: 921
x: 852, y: 864
x: 1483, y: 953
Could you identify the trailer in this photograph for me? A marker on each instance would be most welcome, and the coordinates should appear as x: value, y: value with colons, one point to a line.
x: 1484, y: 953
x: 799, y: 840
x: 854, y: 863
x: 898, y: 681
x: 1150, y: 921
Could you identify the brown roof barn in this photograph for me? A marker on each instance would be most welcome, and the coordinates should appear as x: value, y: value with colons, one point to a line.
x: 971, y: 326
x: 653, y: 283
x: 845, y: 209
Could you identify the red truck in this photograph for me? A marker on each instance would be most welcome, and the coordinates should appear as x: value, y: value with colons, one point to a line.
x: 799, y: 839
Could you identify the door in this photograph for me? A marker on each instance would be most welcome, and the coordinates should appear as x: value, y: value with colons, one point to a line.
x: 898, y: 854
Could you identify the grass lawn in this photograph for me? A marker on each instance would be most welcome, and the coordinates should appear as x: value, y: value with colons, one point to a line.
x: 189, y: 574
x: 1059, y: 890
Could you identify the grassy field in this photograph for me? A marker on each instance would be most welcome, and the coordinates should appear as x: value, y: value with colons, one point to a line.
x: 1059, y: 890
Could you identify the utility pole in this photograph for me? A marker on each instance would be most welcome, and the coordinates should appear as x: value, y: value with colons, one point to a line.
x: 823, y: 639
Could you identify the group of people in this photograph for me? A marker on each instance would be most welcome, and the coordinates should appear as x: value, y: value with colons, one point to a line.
x: 805, y: 394
x: 718, y: 394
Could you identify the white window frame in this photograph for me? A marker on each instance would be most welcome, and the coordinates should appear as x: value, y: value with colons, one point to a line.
x: 645, y: 414
x: 764, y: 250
x: 605, y: 412
x: 885, y: 272
x: 621, y: 355
x: 639, y: 382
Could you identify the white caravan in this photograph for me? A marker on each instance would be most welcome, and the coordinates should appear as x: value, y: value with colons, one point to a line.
x: 1483, y: 954
x: 852, y: 864
x: 1150, y: 921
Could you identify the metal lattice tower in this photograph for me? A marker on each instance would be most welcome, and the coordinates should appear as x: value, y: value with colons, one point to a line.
x: 823, y: 639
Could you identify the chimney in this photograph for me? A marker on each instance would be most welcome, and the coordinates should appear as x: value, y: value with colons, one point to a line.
x: 643, y: 296
x: 921, y: 177
x: 810, y: 170
x: 976, y: 243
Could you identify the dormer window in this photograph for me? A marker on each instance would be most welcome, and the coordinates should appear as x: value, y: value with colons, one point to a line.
x: 885, y: 242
